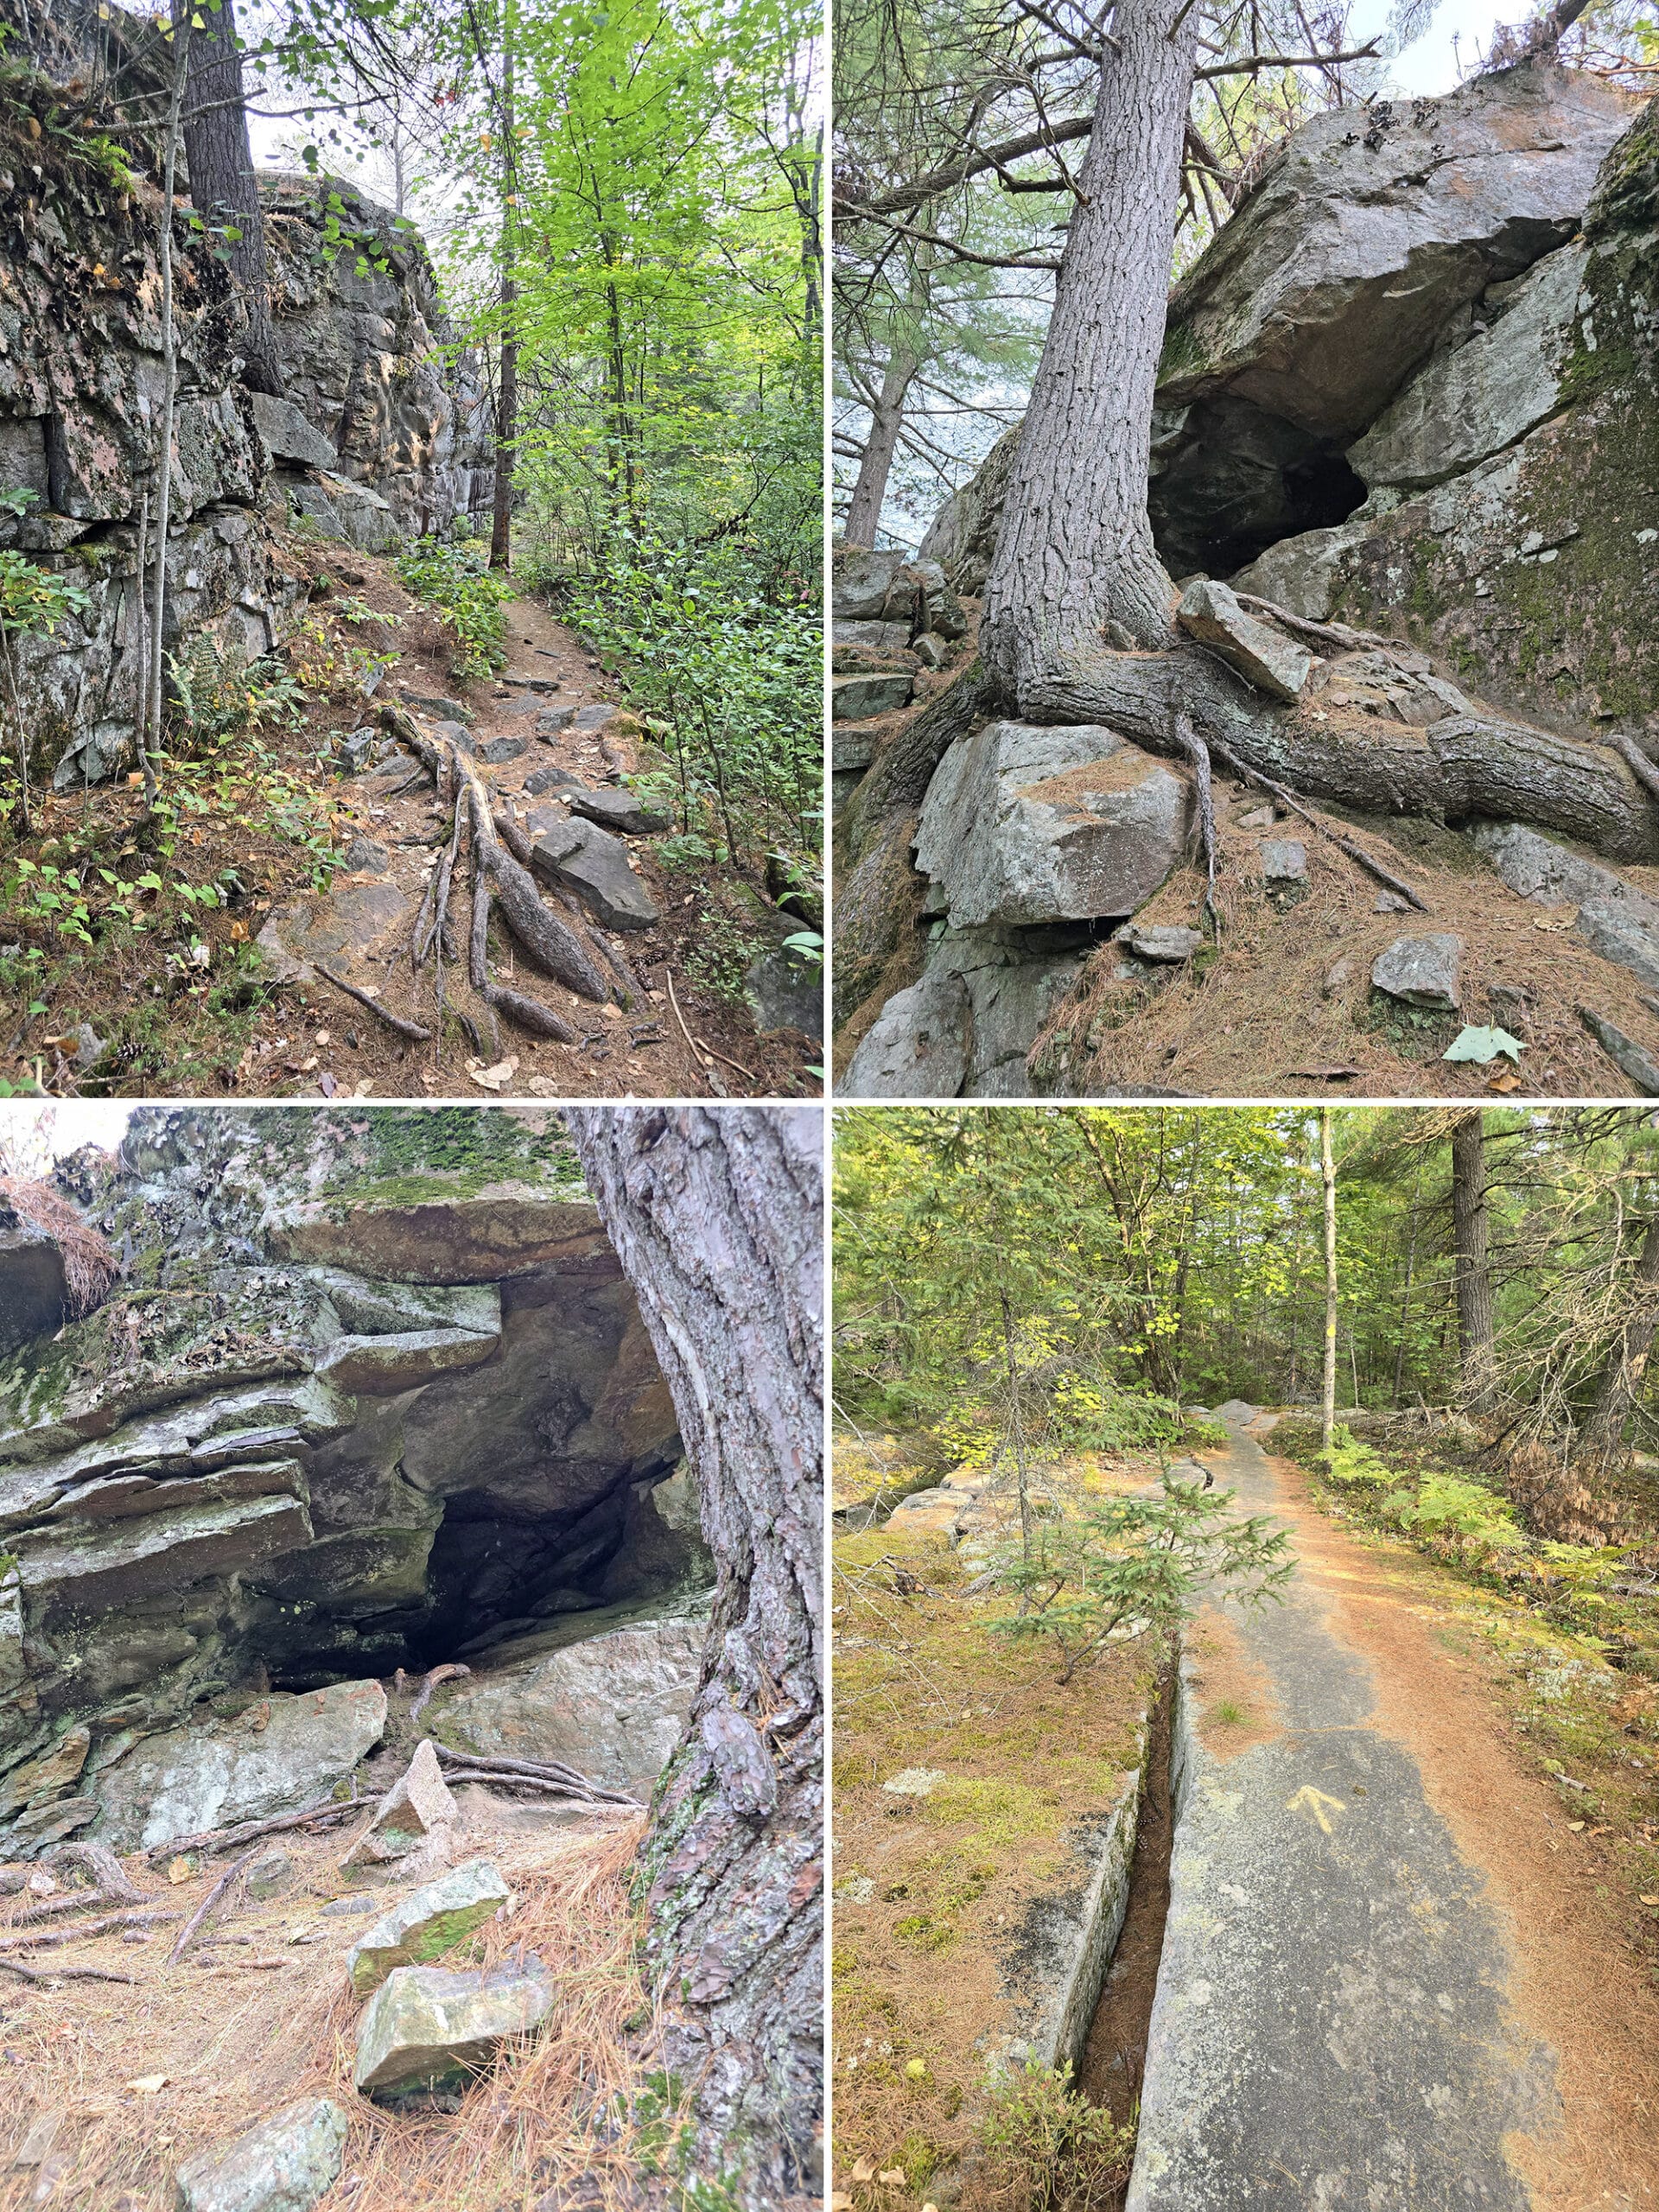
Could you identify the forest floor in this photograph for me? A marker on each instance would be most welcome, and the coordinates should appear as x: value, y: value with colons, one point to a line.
x: 110, y: 2088
x: 1471, y: 1828
x: 940, y: 1883
x: 188, y: 1005
x: 1280, y: 1002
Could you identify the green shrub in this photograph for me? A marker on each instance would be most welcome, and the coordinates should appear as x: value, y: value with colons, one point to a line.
x: 1350, y: 1461
x: 1048, y: 2151
x: 457, y: 583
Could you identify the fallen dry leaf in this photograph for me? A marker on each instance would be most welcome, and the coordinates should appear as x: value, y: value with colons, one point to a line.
x: 865, y: 2170
x: 327, y: 1084
x: 893, y: 2177
x: 147, y: 2084
x: 492, y: 1078
x: 1648, y: 1900
x: 180, y: 1870
x: 1562, y: 919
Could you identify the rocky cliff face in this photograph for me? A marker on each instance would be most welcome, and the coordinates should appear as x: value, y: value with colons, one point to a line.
x: 1413, y: 385
x: 369, y: 1391
x: 382, y: 435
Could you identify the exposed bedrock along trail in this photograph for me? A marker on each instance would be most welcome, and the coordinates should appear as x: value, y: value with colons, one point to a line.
x: 1378, y: 1991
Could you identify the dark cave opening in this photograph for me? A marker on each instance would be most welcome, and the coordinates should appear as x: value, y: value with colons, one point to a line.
x: 1233, y: 480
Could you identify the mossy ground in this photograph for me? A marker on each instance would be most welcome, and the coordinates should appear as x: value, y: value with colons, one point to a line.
x: 931, y: 1892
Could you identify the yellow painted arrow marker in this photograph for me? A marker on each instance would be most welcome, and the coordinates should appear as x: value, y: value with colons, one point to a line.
x: 1315, y: 1800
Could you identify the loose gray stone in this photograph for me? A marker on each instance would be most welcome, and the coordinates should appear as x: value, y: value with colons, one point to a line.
x: 552, y: 720
x: 621, y: 811
x: 1263, y: 655
x: 365, y: 857
x: 872, y: 637
x: 929, y: 651
x: 1421, y: 970
x: 269, y: 1874
x: 1390, y: 902
x: 852, y: 748
x: 427, y: 2026
x: 1164, y: 942
x: 354, y: 751
x: 287, y: 2163
x: 1284, y: 859
x: 499, y: 750
x: 551, y: 779
x: 1027, y: 822
x: 421, y: 1927
x: 418, y: 1805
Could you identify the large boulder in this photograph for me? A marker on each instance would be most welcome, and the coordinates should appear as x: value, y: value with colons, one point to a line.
x: 1512, y: 525
x: 277, y: 1754
x: 965, y: 1029
x: 1025, y: 823
x: 607, y: 1693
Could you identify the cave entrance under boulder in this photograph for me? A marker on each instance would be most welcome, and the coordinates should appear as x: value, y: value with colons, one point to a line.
x: 1229, y: 480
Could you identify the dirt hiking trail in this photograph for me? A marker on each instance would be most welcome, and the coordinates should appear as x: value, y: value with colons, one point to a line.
x: 1386, y: 1983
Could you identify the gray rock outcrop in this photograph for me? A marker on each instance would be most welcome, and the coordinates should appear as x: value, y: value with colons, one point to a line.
x: 370, y: 1387
x: 377, y: 424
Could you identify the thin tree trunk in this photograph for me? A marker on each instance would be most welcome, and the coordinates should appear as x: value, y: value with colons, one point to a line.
x: 1405, y: 1302
x: 507, y: 409
x: 170, y: 402
x: 1018, y: 1427
x: 717, y: 1218
x: 1328, y: 1392
x: 875, y: 464
x: 1477, y: 1356
x: 1600, y: 1440
x: 1075, y: 550
x: 223, y: 189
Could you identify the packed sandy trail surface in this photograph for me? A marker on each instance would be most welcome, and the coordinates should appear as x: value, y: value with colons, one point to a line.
x: 360, y: 926
x: 1384, y: 1985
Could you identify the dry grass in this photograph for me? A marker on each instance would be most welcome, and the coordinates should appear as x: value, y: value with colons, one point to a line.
x: 89, y: 1266
x: 240, y: 2043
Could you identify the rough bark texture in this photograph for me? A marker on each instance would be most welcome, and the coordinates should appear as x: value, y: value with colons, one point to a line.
x: 1076, y: 549
x: 1328, y: 1370
x: 1601, y: 1439
x: 223, y: 187
x: 875, y: 464
x: 1475, y: 1353
x: 716, y: 1215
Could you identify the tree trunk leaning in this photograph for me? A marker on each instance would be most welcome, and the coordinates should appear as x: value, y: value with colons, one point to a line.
x: 1328, y: 1381
x: 875, y: 464
x: 1600, y: 1441
x: 506, y: 406
x: 223, y: 189
x: 717, y: 1218
x: 1477, y: 1352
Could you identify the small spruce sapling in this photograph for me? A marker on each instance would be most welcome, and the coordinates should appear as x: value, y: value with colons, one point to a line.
x: 1127, y: 1567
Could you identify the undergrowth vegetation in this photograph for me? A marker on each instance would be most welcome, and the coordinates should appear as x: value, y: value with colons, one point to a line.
x: 457, y: 583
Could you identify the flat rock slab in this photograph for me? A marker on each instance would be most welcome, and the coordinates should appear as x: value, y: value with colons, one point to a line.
x: 89, y: 1569
x: 426, y: 2025
x: 1025, y: 822
x: 1331, y: 2026
x: 344, y: 921
x: 579, y: 856
x: 859, y: 698
x: 287, y: 2163
x: 1421, y: 970
x: 289, y: 435
x: 1262, y: 656
x: 496, y: 752
x: 621, y: 811
x: 383, y: 1366
x: 551, y: 779
x: 1632, y: 1060
x: 421, y: 1927
x: 283, y: 1751
x: 1614, y: 918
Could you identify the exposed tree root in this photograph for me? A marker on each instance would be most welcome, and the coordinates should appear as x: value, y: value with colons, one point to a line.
x: 450, y: 1672
x: 1470, y: 763
x: 556, y: 950
x: 227, y: 1839
x: 1345, y: 844
x: 545, y: 1770
x: 1198, y: 753
x: 204, y: 1911
x: 529, y: 1013
x: 62, y: 1974
x: 412, y: 1030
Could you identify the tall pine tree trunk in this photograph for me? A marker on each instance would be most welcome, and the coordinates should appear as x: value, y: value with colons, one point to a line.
x: 224, y: 190
x: 717, y: 1217
x: 1601, y: 1439
x: 1328, y: 1377
x: 506, y: 404
x: 1477, y: 1353
x: 875, y: 463
x: 1075, y: 551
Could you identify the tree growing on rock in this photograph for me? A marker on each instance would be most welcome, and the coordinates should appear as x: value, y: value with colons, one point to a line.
x: 223, y: 189
x: 717, y: 1220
